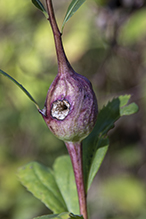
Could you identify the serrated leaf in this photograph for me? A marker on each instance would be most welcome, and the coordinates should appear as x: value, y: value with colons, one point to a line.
x: 73, y: 7
x: 65, y: 179
x: 40, y: 181
x: 40, y: 6
x: 54, y: 216
x: 72, y: 216
x: 107, y: 117
x: 110, y: 113
x: 20, y: 86
x: 95, y: 145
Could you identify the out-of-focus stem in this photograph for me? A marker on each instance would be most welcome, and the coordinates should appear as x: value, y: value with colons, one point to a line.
x: 75, y: 152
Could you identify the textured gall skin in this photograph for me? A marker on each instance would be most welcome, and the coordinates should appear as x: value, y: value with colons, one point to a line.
x: 72, y: 98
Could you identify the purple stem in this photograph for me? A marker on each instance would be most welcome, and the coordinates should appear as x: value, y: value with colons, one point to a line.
x: 74, y: 149
x: 63, y: 63
x: 75, y: 152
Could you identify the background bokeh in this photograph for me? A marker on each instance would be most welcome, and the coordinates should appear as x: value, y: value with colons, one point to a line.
x: 106, y: 42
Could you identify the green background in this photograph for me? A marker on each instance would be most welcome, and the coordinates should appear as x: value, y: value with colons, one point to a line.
x: 27, y: 53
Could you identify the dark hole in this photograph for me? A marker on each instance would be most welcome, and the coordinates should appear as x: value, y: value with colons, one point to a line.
x: 63, y: 107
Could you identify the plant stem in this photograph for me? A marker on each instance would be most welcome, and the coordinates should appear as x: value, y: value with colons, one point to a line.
x: 74, y: 149
x: 75, y: 152
x: 63, y: 63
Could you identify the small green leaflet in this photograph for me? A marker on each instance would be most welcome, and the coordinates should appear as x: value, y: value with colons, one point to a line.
x: 40, y: 6
x: 73, y: 7
x: 20, y: 86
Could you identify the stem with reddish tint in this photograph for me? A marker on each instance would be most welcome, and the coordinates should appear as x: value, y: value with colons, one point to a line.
x: 63, y: 64
x: 74, y: 149
x: 75, y: 152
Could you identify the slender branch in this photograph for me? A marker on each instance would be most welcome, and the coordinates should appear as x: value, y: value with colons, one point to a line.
x: 75, y: 152
x: 63, y: 64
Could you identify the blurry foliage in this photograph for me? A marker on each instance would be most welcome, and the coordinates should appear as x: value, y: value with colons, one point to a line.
x: 108, y: 46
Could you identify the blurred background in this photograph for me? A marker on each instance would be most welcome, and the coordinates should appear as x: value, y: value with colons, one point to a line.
x: 106, y: 42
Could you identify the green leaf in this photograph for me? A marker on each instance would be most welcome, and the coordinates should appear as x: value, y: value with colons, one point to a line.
x: 20, y: 86
x: 95, y: 145
x: 110, y: 114
x: 40, y: 6
x: 128, y: 110
x: 55, y: 216
x: 65, y: 179
x: 73, y: 7
x: 58, y: 189
x: 124, y: 100
x: 41, y: 182
x: 72, y: 216
x: 92, y: 159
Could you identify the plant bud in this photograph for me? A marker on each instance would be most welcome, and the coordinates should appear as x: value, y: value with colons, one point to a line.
x: 70, y: 109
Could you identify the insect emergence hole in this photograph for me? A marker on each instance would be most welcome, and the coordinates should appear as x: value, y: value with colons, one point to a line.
x: 60, y: 109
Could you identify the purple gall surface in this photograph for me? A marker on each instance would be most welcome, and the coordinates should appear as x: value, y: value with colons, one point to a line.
x: 70, y: 109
